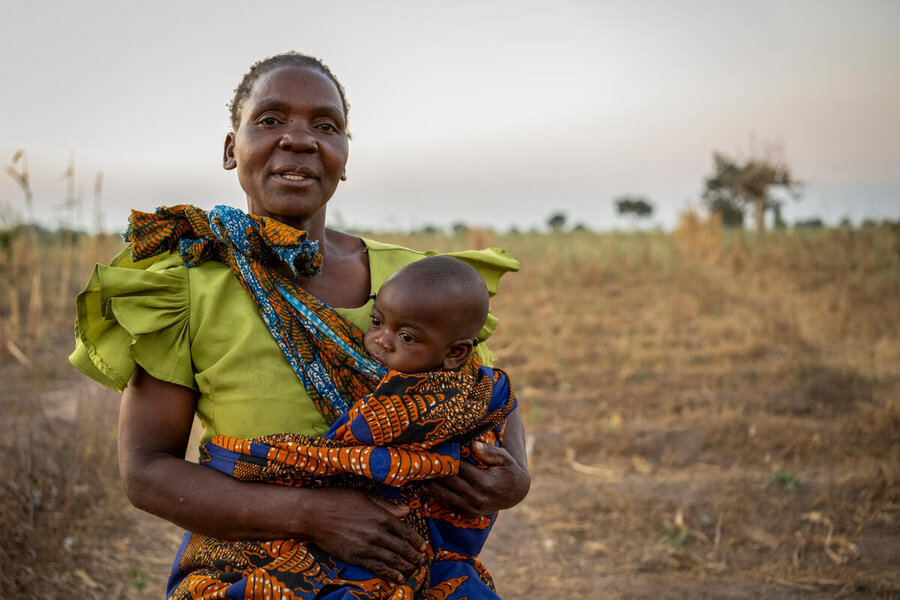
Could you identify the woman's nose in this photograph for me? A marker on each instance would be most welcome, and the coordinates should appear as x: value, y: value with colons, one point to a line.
x: 298, y: 139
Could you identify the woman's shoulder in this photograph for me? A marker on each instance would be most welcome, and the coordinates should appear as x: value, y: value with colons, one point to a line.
x: 209, y: 278
x: 385, y: 258
x: 170, y: 262
x: 386, y: 251
x: 160, y: 262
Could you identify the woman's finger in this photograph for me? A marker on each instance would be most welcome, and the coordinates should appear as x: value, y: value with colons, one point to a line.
x: 398, y: 510
x: 476, y: 479
x: 398, y: 538
x: 381, y: 570
x: 411, y: 538
x: 458, y: 484
x: 391, y: 561
x: 490, y: 455
x: 448, y: 493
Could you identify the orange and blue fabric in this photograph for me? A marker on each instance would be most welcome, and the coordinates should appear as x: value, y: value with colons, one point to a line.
x: 324, y: 350
x: 403, y: 430
x: 410, y: 429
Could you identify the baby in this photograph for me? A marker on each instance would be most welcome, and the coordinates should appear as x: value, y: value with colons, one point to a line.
x: 412, y: 427
x: 426, y: 316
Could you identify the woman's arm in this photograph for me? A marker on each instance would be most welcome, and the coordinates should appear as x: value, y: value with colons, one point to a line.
x: 477, y: 492
x: 154, y: 428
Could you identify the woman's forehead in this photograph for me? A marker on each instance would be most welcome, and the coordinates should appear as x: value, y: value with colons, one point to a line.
x: 296, y: 84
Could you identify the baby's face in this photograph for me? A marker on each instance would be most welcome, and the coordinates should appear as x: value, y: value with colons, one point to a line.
x: 407, y: 333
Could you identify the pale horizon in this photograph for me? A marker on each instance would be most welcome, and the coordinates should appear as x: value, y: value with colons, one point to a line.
x: 495, y: 115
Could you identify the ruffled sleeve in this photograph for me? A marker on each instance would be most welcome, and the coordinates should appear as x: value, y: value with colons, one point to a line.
x: 135, y: 313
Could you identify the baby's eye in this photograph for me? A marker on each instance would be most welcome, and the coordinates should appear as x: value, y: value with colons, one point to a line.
x: 376, y: 322
x: 405, y: 337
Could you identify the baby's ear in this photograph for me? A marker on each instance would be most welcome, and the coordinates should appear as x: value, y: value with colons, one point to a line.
x: 458, y: 353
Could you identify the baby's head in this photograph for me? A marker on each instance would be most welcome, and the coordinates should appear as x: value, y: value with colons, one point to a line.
x: 426, y: 316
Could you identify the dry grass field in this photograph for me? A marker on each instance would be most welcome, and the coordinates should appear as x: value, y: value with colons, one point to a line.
x: 707, y: 416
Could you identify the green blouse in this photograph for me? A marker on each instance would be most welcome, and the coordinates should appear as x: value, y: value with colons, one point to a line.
x: 200, y: 329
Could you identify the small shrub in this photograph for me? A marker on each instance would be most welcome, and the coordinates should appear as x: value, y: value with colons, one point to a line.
x: 786, y: 481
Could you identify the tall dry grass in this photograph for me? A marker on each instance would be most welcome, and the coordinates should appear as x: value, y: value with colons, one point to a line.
x: 60, y: 472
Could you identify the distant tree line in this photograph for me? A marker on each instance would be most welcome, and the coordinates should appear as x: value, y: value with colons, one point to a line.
x: 638, y: 206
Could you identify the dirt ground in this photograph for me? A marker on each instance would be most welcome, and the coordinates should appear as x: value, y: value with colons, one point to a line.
x: 699, y: 426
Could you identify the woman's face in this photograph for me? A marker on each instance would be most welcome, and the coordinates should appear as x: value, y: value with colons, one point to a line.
x: 291, y: 146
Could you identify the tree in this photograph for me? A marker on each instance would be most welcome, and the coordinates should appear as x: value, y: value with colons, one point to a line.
x: 811, y: 223
x: 731, y: 212
x: 738, y: 183
x: 556, y: 221
x: 778, y: 222
x: 637, y: 206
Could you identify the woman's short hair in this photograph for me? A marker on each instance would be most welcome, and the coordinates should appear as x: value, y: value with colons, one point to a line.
x: 265, y: 65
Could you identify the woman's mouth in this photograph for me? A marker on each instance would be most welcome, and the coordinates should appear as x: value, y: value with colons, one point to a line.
x: 294, y: 175
x: 294, y: 179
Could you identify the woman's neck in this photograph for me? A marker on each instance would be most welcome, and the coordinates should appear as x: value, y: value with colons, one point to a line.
x: 345, y: 279
x: 314, y: 226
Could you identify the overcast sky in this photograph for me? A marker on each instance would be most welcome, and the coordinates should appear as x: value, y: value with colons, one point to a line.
x: 494, y: 113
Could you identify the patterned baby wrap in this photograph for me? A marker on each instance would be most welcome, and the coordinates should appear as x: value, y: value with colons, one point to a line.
x: 411, y: 429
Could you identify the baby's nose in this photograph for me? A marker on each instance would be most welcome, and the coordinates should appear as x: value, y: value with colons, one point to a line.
x: 384, y: 340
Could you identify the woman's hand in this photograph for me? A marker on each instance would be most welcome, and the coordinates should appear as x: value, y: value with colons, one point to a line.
x: 366, y: 531
x: 476, y: 492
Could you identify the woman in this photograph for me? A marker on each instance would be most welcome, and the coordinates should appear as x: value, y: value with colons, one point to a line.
x: 195, y: 346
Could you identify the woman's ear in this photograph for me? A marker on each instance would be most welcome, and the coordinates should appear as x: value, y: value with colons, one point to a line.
x: 457, y: 354
x: 228, y: 161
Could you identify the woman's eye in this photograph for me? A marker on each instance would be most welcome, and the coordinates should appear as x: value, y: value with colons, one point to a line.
x: 328, y: 127
x: 268, y: 121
